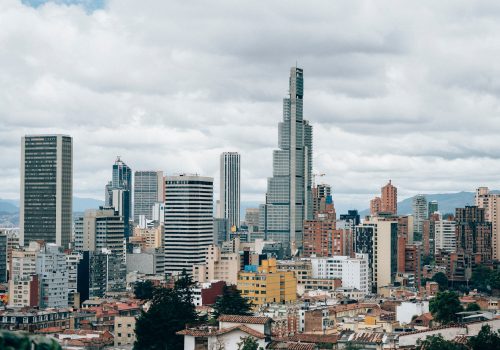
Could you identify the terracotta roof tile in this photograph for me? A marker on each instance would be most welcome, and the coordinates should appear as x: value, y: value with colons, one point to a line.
x: 207, y: 332
x: 245, y: 319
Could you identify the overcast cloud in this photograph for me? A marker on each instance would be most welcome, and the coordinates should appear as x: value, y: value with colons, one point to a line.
x: 407, y: 91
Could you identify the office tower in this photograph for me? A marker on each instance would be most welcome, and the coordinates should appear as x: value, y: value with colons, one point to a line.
x: 230, y: 179
x: 148, y: 190
x: 444, y: 236
x: 118, y: 192
x: 252, y: 217
x: 289, y: 197
x: 319, y: 194
x: 221, y: 233
x: 419, y: 208
x: 473, y: 235
x: 3, y: 257
x: 389, y: 199
x: 375, y: 206
x: 53, y: 275
x: 188, y: 221
x: 46, y: 189
x: 352, y: 216
x: 432, y: 208
x: 99, y: 229
x: 490, y: 202
x: 378, y: 238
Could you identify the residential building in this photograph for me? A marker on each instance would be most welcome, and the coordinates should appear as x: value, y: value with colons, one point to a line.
x: 319, y: 234
x: 265, y: 284
x: 289, y: 196
x: 72, y: 261
x: 46, y: 196
x: 124, y: 330
x: 188, y: 221
x: 24, y: 283
x: 218, y: 266
x: 148, y: 238
x: 420, y: 209
x: 377, y: 237
x: 148, y: 261
x: 120, y: 201
x: 330, y: 268
x: 148, y: 190
x: 33, y: 320
x: 53, y: 274
x: 230, y: 189
x: 3, y: 257
x: 490, y: 202
x: 319, y: 194
x: 389, y: 199
x: 444, y: 236
x: 375, y: 206
x: 473, y: 235
x: 355, y: 273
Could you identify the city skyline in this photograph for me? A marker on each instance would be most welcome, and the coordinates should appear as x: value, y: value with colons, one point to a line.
x: 383, y: 84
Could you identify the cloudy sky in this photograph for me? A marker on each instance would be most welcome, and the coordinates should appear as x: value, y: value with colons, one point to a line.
x: 407, y: 91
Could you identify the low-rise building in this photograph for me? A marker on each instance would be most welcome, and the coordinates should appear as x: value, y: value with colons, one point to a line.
x: 124, y: 330
x: 218, y: 266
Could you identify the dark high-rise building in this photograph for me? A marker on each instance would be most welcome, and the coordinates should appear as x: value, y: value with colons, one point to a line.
x: 289, y: 196
x: 473, y: 235
x: 3, y: 257
x: 118, y: 192
x: 432, y: 208
x: 46, y: 189
x: 352, y: 216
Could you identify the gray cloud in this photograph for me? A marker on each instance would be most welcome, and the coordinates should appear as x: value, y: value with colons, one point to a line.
x: 402, y: 91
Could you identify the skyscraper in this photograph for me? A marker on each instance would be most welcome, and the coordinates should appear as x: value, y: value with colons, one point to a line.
x: 46, y: 189
x: 433, y: 207
x: 419, y: 208
x: 490, y: 202
x: 230, y: 179
x: 389, y: 199
x: 289, y: 197
x: 119, y: 192
x: 148, y: 190
x: 188, y: 221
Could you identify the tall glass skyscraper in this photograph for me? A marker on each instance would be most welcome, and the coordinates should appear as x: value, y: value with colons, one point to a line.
x: 289, y: 196
x: 119, y: 192
x: 46, y: 189
x: 230, y: 179
x: 148, y: 190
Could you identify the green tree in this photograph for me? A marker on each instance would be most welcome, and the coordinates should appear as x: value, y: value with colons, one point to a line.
x: 231, y: 303
x: 473, y: 307
x: 170, y: 311
x: 437, y: 342
x: 480, y: 278
x: 444, y: 307
x: 485, y: 340
x: 24, y: 341
x: 441, y: 279
x: 248, y: 343
x: 144, y: 290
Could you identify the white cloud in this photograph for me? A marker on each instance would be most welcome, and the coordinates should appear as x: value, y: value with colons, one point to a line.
x: 407, y: 91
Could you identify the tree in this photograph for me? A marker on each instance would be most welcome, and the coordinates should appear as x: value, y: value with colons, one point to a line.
x: 444, y: 307
x: 437, y: 342
x: 248, y: 343
x: 441, y: 279
x: 144, y: 290
x: 480, y: 278
x: 473, y: 307
x: 485, y: 340
x: 231, y: 303
x: 170, y: 311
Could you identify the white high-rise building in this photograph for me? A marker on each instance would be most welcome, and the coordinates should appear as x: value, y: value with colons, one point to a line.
x: 444, y: 236
x: 355, y: 273
x: 52, y: 269
x: 188, y: 221
x: 45, y: 211
x: 491, y: 203
x: 148, y: 190
x: 420, y: 210
x: 289, y: 195
x: 327, y: 267
x: 230, y: 179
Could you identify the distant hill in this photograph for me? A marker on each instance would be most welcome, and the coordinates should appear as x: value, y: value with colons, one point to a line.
x: 447, y: 202
x: 8, y: 206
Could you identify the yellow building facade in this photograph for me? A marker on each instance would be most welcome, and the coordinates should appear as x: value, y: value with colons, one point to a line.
x: 265, y: 284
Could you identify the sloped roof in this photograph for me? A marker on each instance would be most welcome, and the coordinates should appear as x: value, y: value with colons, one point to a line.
x: 208, y: 332
x: 245, y: 319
